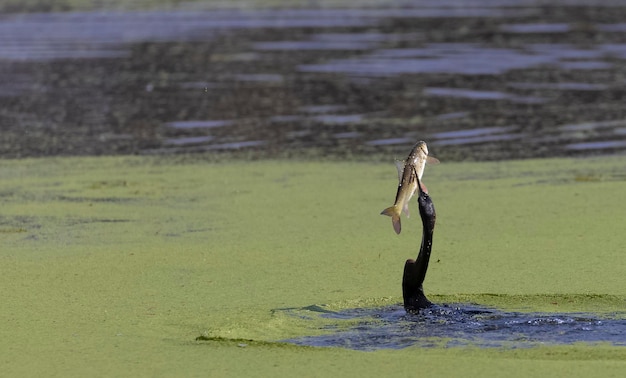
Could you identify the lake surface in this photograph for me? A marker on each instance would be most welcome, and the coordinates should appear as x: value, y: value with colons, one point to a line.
x: 505, y: 79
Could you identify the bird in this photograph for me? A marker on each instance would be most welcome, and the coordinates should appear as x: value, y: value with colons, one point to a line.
x: 415, y: 270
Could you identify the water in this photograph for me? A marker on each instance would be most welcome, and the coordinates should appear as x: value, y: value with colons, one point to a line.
x: 481, y: 95
x: 390, y: 141
x: 476, y: 136
x: 458, y: 325
x: 200, y: 124
x: 480, y: 80
x: 562, y: 86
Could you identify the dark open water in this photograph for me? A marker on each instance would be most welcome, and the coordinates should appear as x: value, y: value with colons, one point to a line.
x: 477, y: 80
x: 458, y: 325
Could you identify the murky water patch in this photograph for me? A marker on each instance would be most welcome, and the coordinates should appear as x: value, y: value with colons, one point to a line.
x: 454, y: 58
x: 285, y: 118
x: 556, y: 51
x: 299, y: 134
x: 562, y: 86
x: 592, y: 136
x: 313, y: 45
x: 471, y: 133
x: 322, y: 108
x: 535, y: 28
x: 193, y: 135
x: 460, y: 137
x: 599, y: 145
x: 586, y: 65
x: 260, y: 77
x: 187, y: 80
x: 481, y: 95
x: 18, y: 84
x: 478, y: 139
x: 390, y: 141
x: 348, y: 135
x: 105, y: 32
x: 338, y: 119
x: 236, y: 145
x: 559, y: 28
x: 458, y: 325
x: 589, y: 126
x: 469, y: 59
x: 620, y: 131
x: 368, y: 37
x: 208, y: 124
x: 612, y: 28
x: 453, y: 115
x: 337, y: 41
x: 188, y: 140
x: 475, y: 136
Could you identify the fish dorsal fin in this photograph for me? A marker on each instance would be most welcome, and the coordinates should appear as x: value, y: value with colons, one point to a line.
x: 432, y: 160
x: 400, y: 166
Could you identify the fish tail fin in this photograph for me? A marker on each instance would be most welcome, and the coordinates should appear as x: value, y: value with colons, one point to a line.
x: 393, y: 212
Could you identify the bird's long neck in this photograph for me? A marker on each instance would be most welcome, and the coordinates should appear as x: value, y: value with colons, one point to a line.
x: 415, y: 271
x: 423, y: 257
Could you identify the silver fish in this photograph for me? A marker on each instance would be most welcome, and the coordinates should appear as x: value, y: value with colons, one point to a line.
x: 408, y: 171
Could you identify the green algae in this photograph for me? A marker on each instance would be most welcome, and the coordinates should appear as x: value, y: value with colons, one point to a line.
x: 601, y: 304
x: 115, y: 266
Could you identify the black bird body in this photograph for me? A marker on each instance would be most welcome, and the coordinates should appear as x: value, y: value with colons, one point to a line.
x: 415, y: 271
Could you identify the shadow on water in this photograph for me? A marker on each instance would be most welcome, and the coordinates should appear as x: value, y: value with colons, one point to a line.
x: 457, y: 325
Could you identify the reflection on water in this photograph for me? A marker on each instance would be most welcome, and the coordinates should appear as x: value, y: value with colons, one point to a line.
x: 260, y: 77
x: 588, y: 65
x: 458, y: 325
x: 199, y: 124
x: 452, y: 115
x: 348, y: 135
x: 20, y: 35
x: 237, y: 145
x: 466, y: 59
x: 469, y: 59
x: 481, y: 95
x: 390, y: 141
x: 314, y: 45
x: 333, y: 81
x: 322, y: 108
x: 477, y: 139
x: 474, y: 136
x: 535, y: 28
x: 188, y: 140
x: 589, y: 126
x: 460, y: 134
x: 338, y: 119
x: 602, y: 145
x: 561, y: 28
x: 559, y: 86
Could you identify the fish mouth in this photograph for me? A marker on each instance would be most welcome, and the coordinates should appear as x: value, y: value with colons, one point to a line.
x: 422, y: 146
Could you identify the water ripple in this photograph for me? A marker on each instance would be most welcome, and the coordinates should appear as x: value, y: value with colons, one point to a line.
x: 457, y: 325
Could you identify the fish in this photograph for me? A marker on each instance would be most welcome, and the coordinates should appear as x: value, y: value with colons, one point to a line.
x: 410, y: 172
